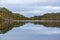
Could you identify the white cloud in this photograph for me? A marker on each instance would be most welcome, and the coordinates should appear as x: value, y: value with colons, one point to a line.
x: 42, y: 9
x: 25, y: 1
x: 38, y: 10
x: 51, y: 7
x: 33, y: 11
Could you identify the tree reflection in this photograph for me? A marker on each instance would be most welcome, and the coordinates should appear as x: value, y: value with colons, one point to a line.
x: 49, y: 24
x: 5, y: 27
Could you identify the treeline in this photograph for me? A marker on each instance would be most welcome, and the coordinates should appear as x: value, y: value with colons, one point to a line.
x: 47, y: 16
x: 8, y: 15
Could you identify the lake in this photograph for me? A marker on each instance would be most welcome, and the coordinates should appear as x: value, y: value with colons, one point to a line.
x: 30, y: 31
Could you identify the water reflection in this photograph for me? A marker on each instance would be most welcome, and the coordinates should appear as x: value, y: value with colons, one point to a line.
x: 49, y: 24
x: 31, y: 31
x: 6, y: 26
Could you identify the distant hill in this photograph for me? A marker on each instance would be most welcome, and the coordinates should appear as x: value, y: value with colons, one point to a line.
x: 47, y: 16
x: 8, y: 15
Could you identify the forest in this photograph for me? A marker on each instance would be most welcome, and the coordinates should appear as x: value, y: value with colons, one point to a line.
x: 6, y: 14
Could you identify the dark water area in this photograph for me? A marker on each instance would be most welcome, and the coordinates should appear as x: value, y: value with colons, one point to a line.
x: 30, y: 31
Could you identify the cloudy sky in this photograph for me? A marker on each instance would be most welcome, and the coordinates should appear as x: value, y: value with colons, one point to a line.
x: 31, y: 7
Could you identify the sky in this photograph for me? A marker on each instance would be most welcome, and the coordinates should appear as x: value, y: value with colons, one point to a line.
x: 31, y: 7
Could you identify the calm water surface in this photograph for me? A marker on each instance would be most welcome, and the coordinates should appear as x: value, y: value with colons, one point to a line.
x: 30, y: 31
